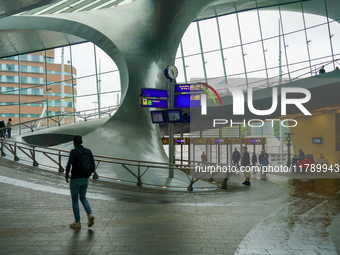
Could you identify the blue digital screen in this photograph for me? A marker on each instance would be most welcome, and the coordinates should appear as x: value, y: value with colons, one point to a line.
x: 180, y: 140
x: 317, y: 140
x: 174, y: 115
x: 253, y: 140
x: 156, y: 103
x: 189, y: 87
x: 218, y: 140
x: 155, y: 93
x: 158, y: 116
x: 188, y: 101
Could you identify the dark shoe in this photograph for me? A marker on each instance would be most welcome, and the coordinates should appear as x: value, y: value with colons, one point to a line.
x: 91, y: 220
x: 244, y: 182
x: 247, y: 183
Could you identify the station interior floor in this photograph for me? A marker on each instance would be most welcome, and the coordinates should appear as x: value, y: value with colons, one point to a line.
x: 279, y: 215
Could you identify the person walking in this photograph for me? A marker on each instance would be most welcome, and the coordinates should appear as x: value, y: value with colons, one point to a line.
x: 79, y: 160
x: 245, y: 163
x: 236, y: 158
x: 254, y: 161
x: 9, y: 128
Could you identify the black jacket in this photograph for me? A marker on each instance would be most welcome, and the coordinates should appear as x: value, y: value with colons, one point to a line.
x: 254, y: 158
x: 245, y: 159
x: 263, y: 156
x: 73, y: 161
x: 236, y: 156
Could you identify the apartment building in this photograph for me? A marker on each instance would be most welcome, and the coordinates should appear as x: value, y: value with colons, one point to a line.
x: 31, y: 87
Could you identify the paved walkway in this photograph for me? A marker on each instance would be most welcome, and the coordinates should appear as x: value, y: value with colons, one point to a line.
x: 277, y: 216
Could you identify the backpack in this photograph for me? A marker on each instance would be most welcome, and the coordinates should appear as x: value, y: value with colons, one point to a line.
x: 85, y: 164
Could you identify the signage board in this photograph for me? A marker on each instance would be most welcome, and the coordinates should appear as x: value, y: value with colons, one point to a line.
x: 218, y: 140
x: 236, y: 140
x: 155, y: 103
x: 146, y: 92
x: 199, y: 140
x: 179, y: 88
x: 188, y: 101
x: 165, y: 140
x: 255, y: 140
x: 181, y: 140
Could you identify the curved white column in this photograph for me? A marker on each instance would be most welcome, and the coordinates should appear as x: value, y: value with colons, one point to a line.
x: 142, y: 38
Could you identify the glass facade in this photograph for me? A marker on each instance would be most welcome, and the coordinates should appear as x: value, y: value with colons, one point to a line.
x: 256, y: 48
x: 264, y: 43
x: 86, y: 78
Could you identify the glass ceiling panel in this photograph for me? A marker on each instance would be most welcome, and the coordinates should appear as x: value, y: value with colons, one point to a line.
x: 219, y: 8
x: 223, y: 8
x: 68, y: 6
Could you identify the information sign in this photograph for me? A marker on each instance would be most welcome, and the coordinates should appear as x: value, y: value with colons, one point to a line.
x: 162, y: 93
x: 179, y: 88
x: 180, y: 140
x: 255, y: 141
x: 165, y: 140
x: 155, y: 103
x: 236, y: 140
x: 188, y: 101
x: 199, y: 140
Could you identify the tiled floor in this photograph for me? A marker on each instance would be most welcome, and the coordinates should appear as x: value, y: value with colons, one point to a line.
x: 277, y: 216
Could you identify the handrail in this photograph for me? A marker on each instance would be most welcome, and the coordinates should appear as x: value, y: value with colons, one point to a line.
x: 58, y: 118
x: 272, y: 83
x: 31, y: 150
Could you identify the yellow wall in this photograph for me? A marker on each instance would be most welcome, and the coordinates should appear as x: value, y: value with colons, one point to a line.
x: 322, y: 125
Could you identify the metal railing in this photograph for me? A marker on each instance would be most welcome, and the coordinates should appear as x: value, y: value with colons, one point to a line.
x: 271, y: 82
x: 137, y: 168
x: 85, y: 115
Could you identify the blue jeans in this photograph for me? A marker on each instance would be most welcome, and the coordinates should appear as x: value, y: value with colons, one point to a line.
x: 9, y: 132
x: 78, y: 189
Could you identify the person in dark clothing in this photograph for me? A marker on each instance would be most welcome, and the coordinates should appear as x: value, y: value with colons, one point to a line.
x: 322, y: 70
x: 3, y: 131
x: 263, y: 158
x: 260, y: 158
x: 300, y: 157
x: 236, y: 158
x: 254, y: 161
x: 264, y: 161
x: 79, y: 181
x: 204, y: 158
x: 245, y: 163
